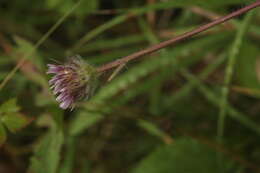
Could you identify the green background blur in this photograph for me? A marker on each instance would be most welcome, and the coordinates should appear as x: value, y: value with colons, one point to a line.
x: 192, y: 107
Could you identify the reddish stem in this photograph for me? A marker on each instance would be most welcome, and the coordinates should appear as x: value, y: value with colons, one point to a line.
x: 184, y: 36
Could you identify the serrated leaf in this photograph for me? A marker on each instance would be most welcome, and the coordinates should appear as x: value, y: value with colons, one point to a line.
x: 183, y: 156
x: 47, y: 154
x: 14, y: 122
x: 9, y: 106
x: 2, y: 134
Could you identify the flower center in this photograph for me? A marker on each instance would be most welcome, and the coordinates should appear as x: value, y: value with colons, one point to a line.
x: 66, y: 71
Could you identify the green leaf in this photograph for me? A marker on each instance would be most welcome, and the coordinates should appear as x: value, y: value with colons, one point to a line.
x: 183, y: 156
x: 70, y: 155
x: 151, y: 128
x: 87, y: 6
x: 214, y: 99
x: 2, y: 134
x: 9, y: 106
x: 234, y: 52
x: 247, y: 66
x: 83, y: 121
x: 47, y: 155
x: 24, y: 46
x: 52, y: 3
x: 33, y: 64
x: 154, y: 130
x: 14, y: 122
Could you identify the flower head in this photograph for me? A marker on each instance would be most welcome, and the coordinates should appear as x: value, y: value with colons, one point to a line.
x: 72, y: 82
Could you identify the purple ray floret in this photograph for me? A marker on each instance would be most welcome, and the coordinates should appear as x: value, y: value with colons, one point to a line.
x: 71, y: 81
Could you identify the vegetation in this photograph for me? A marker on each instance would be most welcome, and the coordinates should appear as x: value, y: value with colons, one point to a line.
x: 190, y: 107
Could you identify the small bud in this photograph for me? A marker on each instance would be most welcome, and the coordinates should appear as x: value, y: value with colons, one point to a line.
x: 72, y: 81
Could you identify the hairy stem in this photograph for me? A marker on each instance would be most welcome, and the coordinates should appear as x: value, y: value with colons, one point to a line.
x: 184, y: 36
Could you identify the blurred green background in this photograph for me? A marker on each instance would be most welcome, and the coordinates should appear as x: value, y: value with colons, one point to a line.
x: 192, y: 107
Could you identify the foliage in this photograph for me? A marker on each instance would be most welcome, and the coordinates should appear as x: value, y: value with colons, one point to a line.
x: 191, y: 107
x: 173, y: 158
x: 11, y: 119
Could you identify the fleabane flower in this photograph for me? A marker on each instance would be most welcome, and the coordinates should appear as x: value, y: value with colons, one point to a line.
x: 72, y: 82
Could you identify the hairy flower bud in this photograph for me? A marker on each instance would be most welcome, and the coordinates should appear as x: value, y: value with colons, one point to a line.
x: 72, y: 82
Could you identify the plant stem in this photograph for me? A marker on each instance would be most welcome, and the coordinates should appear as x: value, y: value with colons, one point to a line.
x: 229, y: 73
x: 184, y: 36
